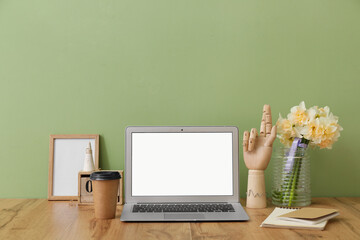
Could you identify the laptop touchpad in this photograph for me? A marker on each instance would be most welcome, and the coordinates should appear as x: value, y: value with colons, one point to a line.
x: 185, y: 216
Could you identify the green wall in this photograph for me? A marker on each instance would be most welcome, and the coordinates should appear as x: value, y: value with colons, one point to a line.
x: 97, y: 66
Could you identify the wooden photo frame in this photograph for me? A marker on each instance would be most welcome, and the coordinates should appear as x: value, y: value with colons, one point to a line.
x: 85, y: 197
x: 66, y: 159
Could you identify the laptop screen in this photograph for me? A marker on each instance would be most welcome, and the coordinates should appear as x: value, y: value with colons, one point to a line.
x: 182, y: 164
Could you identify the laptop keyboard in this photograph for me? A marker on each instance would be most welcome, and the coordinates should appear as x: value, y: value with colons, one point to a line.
x: 193, y: 207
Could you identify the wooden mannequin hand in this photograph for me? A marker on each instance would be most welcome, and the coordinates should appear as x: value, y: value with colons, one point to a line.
x: 257, y: 149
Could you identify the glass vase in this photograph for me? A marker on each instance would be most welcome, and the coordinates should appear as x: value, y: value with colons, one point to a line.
x: 291, y: 178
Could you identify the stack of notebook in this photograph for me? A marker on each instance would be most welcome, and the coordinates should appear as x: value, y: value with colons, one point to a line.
x: 305, y: 218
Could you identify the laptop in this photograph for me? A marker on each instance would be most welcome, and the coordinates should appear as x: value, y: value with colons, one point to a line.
x: 182, y: 174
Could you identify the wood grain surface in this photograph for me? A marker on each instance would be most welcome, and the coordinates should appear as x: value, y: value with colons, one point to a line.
x: 42, y: 219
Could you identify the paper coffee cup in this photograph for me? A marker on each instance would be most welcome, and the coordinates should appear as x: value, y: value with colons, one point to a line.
x: 105, y: 191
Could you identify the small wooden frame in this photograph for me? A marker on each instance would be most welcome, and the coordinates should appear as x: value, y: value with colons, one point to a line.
x: 66, y: 158
x: 86, y: 198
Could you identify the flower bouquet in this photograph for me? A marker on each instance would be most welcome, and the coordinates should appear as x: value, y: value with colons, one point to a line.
x: 302, y: 128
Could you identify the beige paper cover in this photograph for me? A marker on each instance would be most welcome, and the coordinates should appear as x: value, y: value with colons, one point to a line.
x: 310, y: 213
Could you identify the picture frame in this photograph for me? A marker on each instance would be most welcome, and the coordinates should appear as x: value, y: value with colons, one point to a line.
x: 66, y: 159
x: 85, y: 196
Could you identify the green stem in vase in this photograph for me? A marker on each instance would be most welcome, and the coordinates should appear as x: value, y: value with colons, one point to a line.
x: 300, y: 153
x: 288, y: 177
x: 292, y: 169
x: 294, y: 181
x: 289, y: 185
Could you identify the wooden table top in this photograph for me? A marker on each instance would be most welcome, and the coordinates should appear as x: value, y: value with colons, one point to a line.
x: 41, y: 219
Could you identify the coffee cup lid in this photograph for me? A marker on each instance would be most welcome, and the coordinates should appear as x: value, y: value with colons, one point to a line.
x: 105, y: 175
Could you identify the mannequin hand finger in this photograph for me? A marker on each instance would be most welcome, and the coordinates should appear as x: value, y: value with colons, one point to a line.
x: 268, y: 120
x: 246, y: 141
x: 262, y: 126
x: 252, y: 139
x: 271, y: 138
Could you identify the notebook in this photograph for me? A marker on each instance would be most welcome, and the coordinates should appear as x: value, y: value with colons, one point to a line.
x: 273, y: 221
x: 310, y: 215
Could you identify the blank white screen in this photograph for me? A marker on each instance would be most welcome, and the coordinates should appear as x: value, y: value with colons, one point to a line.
x: 182, y: 164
